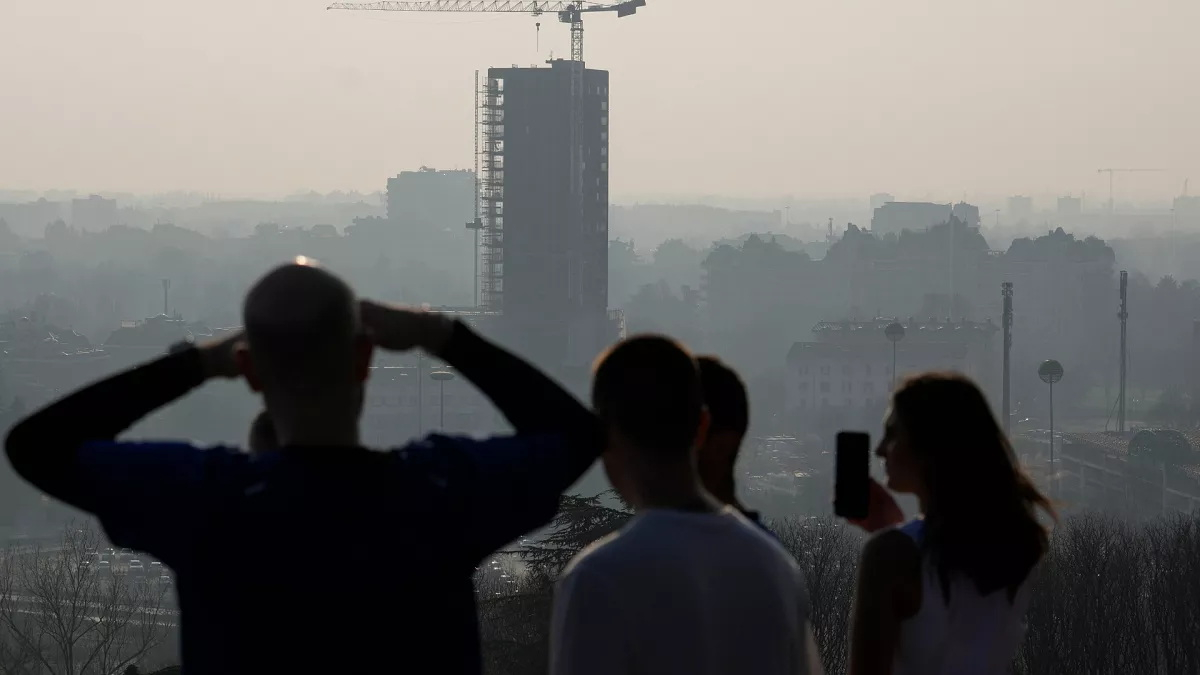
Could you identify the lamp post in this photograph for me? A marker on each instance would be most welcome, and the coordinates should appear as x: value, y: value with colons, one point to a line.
x: 441, y: 377
x: 1051, y: 372
x: 894, y: 333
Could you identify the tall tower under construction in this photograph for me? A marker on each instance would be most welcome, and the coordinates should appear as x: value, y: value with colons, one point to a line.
x: 543, y: 204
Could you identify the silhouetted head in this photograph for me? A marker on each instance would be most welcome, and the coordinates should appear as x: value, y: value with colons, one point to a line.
x: 262, y: 433
x: 646, y: 389
x: 305, y: 350
x: 729, y: 417
x: 942, y: 443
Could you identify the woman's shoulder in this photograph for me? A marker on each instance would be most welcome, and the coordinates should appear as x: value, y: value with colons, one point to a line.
x: 894, y: 544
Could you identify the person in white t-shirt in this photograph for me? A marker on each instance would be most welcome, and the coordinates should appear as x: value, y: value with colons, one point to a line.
x: 689, y: 585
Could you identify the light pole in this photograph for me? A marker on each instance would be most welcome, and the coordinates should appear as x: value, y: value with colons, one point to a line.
x: 1051, y: 372
x: 441, y: 376
x: 894, y: 333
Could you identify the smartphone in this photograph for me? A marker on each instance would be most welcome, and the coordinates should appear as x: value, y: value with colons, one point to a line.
x: 851, y: 487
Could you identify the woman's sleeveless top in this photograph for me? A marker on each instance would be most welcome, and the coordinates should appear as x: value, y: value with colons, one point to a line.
x: 973, y: 634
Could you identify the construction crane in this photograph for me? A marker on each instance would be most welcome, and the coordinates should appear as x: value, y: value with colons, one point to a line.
x: 1112, y: 205
x: 568, y: 12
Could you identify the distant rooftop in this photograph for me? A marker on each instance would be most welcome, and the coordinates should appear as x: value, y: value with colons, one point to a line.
x: 920, y: 351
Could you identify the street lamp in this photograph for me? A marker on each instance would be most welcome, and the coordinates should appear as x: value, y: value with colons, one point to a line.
x: 441, y: 376
x: 1050, y: 372
x: 894, y: 333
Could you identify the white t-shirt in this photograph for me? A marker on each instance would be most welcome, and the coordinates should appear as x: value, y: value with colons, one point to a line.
x: 682, y: 592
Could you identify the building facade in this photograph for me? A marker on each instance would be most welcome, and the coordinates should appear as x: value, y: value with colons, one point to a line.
x: 428, y: 201
x: 1020, y: 208
x: 843, y: 377
x: 94, y: 213
x: 895, y: 217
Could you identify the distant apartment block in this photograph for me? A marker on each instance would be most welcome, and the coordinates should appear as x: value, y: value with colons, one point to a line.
x: 844, y: 375
x: 1020, y: 208
x: 967, y: 213
x: 31, y: 218
x: 428, y: 200
x: 879, y: 199
x: 1187, y: 208
x: 895, y: 217
x: 1070, y: 206
x: 94, y: 213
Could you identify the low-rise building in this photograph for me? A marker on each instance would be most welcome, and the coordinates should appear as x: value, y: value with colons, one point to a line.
x: 844, y: 376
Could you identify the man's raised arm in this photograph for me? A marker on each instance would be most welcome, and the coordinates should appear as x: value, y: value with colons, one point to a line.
x: 43, y: 448
x: 530, y: 400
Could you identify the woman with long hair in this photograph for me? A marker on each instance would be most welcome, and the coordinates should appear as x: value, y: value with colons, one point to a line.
x: 946, y: 593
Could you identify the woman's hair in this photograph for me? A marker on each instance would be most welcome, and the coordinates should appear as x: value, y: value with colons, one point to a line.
x: 981, y: 518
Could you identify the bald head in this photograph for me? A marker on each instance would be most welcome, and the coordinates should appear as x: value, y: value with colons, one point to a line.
x: 302, y: 330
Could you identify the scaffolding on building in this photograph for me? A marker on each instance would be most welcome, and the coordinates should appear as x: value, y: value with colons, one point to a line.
x: 491, y: 193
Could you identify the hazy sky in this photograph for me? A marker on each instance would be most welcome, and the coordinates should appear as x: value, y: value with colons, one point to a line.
x: 937, y: 98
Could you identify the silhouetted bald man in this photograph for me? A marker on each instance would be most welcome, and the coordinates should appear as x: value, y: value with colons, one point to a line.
x: 314, y: 554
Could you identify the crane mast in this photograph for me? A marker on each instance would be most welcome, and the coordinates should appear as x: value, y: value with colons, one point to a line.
x: 1112, y: 207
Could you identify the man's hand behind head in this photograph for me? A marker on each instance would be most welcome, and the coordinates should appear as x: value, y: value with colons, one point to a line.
x: 219, y: 355
x: 401, y: 329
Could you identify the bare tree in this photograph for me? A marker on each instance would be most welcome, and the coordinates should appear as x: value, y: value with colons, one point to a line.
x: 827, y: 552
x: 61, y: 616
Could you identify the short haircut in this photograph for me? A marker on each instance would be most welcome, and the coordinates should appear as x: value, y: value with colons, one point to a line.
x: 725, y: 396
x: 647, y: 388
x: 301, y: 322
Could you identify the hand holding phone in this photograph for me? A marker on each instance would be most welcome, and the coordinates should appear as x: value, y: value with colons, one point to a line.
x: 852, y: 478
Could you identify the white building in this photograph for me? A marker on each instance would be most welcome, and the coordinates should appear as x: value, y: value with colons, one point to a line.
x: 844, y: 377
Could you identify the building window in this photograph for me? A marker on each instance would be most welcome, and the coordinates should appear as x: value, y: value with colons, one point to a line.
x: 868, y: 370
x: 804, y: 386
x: 824, y: 387
x: 824, y: 403
x: 604, y: 121
x: 604, y: 135
x: 847, y: 387
x: 603, y: 166
x: 868, y: 387
x: 824, y: 370
x: 604, y: 105
x: 846, y: 369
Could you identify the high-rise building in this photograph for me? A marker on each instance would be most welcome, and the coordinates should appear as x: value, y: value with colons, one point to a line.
x: 544, y: 206
x: 879, y: 199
